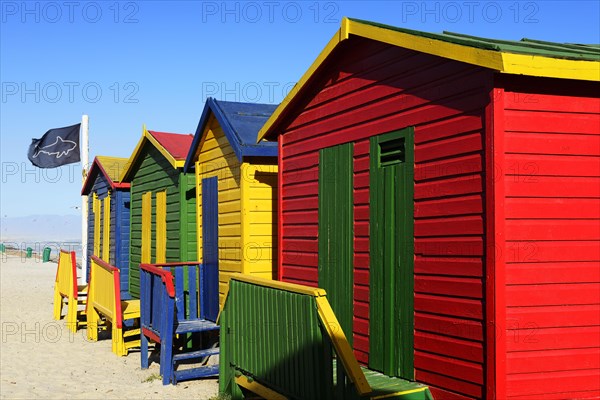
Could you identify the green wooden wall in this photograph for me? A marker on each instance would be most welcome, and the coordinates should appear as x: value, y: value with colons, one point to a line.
x: 336, y: 233
x: 154, y: 173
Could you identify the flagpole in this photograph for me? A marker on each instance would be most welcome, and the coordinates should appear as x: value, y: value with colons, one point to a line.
x: 85, y: 159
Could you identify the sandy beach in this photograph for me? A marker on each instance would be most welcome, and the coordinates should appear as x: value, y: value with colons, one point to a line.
x: 40, y: 359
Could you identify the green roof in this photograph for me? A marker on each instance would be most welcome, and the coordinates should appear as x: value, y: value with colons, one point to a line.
x: 526, y: 57
x: 569, y: 51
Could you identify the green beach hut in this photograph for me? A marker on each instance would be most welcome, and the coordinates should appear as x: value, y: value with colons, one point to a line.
x: 163, y: 201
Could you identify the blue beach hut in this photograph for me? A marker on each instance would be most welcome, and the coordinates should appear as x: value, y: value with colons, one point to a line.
x: 108, y: 216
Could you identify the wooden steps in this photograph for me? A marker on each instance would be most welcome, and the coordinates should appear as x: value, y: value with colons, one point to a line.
x: 195, y: 325
x: 196, y: 354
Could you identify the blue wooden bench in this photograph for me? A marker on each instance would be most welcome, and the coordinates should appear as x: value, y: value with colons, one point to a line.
x: 172, y: 306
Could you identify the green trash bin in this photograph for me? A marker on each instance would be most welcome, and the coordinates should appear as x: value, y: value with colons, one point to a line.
x: 29, y: 252
x: 46, y: 255
x: 2, y: 248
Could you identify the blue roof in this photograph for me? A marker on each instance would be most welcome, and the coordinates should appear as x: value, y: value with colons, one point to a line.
x: 240, y: 123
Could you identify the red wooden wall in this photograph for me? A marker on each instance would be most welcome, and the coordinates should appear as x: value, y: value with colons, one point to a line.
x: 373, y: 89
x: 550, y: 172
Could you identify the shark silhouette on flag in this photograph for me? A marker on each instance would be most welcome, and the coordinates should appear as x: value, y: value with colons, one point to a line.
x: 57, y: 147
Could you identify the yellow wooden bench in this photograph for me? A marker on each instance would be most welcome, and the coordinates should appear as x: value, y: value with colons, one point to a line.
x: 66, y: 288
x: 104, y: 299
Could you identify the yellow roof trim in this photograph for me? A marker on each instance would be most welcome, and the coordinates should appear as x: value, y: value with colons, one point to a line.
x: 208, y: 127
x: 133, y: 157
x: 470, y: 55
x: 146, y: 136
x: 341, y: 34
x: 521, y: 64
x: 509, y: 63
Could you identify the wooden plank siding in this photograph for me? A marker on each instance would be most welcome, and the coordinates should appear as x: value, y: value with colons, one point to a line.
x: 247, y: 194
x: 113, y: 228
x: 117, y: 253
x: 89, y: 246
x: 216, y: 158
x: 156, y: 174
x: 551, y: 179
x: 259, y: 214
x: 100, y: 188
x: 119, y: 236
x: 189, y: 247
x: 370, y: 90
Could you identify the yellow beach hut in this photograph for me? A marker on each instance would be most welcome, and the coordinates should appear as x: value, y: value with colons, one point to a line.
x: 236, y: 194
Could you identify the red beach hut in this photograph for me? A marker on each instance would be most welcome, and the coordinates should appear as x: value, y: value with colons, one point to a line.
x: 445, y: 190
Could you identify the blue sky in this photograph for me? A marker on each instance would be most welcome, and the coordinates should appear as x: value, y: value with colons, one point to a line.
x: 152, y: 62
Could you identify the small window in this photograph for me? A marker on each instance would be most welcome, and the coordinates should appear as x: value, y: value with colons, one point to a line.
x: 392, y: 152
x: 190, y: 193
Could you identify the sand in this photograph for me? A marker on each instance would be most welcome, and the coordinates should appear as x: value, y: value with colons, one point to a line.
x: 40, y: 359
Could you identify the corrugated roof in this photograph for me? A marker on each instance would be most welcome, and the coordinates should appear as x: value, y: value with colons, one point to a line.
x: 176, y: 144
x: 240, y: 123
x: 569, y: 51
x: 111, y: 168
x: 246, y: 119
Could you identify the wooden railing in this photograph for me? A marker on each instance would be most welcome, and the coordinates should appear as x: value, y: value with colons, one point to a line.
x: 282, y: 340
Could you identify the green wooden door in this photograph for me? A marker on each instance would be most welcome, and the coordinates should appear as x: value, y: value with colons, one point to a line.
x: 336, y: 231
x: 392, y: 254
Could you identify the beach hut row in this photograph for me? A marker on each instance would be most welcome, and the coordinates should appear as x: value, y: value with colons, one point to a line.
x: 443, y: 189
x: 206, y: 198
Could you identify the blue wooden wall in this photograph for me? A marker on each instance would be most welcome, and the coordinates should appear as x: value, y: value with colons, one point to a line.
x: 119, y: 229
x: 100, y: 187
x: 119, y: 237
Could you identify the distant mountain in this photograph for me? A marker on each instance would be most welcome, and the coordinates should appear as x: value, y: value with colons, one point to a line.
x: 40, y: 228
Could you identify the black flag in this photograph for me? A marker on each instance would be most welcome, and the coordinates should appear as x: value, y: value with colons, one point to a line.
x: 57, y: 147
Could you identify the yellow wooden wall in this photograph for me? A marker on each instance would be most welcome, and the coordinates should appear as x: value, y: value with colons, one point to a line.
x: 216, y: 158
x: 101, y: 211
x: 245, y: 238
x: 259, y: 212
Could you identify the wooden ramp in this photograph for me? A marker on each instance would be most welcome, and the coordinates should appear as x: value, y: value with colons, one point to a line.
x: 283, y: 341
